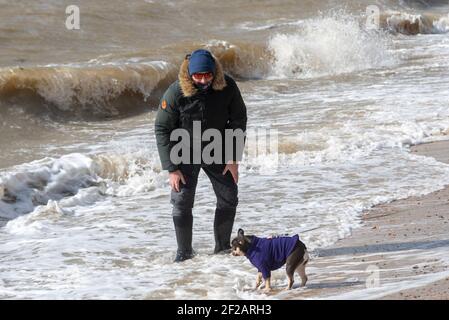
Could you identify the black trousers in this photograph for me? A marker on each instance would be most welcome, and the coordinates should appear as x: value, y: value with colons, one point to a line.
x: 225, y: 188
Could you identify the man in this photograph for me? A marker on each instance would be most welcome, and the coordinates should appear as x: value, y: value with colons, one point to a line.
x: 205, y: 95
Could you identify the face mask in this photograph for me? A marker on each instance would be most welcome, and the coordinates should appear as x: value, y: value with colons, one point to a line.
x: 203, y: 87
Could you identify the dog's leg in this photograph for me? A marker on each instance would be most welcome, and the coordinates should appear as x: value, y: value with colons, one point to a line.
x: 267, y: 285
x: 290, y: 270
x: 291, y: 280
x: 301, y: 269
x: 258, y: 279
x: 294, y: 260
x: 302, y: 274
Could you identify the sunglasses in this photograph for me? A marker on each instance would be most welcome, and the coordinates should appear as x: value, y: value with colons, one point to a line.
x: 199, y: 76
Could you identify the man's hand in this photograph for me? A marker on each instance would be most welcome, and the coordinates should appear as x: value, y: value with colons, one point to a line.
x: 174, y: 178
x: 233, y: 168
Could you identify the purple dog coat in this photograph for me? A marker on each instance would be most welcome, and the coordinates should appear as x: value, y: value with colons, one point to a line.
x: 270, y: 254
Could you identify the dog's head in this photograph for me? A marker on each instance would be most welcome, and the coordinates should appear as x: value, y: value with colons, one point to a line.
x: 240, y: 244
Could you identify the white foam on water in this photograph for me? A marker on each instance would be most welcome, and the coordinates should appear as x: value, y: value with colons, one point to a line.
x: 268, y: 25
x: 332, y: 44
x: 77, y: 180
x: 36, y: 221
x: 38, y: 182
x: 442, y: 25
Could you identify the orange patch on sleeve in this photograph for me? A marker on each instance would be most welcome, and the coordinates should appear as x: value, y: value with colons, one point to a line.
x: 164, y: 104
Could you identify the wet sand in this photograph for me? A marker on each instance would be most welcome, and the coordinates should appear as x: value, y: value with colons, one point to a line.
x: 397, y: 242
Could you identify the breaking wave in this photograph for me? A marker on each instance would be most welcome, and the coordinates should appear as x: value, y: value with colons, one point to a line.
x: 330, y: 44
x: 76, y: 179
x: 412, y: 24
x: 106, y: 90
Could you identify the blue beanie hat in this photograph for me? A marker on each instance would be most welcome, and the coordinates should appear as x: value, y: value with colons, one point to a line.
x: 201, y: 61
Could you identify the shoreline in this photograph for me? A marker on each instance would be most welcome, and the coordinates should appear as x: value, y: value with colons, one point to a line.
x: 397, y: 253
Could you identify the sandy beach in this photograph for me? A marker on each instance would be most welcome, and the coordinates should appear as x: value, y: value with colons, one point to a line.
x: 398, y: 240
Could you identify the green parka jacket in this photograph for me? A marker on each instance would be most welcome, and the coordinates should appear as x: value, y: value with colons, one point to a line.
x: 220, y: 107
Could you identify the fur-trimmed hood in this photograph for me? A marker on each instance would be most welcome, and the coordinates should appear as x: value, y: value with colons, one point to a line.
x: 187, y: 86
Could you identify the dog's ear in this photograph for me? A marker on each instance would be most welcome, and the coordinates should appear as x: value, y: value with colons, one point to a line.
x: 241, y: 233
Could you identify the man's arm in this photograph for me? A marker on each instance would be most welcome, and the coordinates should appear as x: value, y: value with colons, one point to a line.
x: 167, y: 120
x: 237, y: 118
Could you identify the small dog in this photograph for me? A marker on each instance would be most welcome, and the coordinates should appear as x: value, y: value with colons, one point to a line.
x: 268, y: 254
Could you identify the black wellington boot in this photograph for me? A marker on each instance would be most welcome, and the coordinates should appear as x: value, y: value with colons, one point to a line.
x: 183, y: 228
x: 223, y: 223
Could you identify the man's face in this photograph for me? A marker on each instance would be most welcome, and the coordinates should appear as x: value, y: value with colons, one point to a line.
x: 202, y: 78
